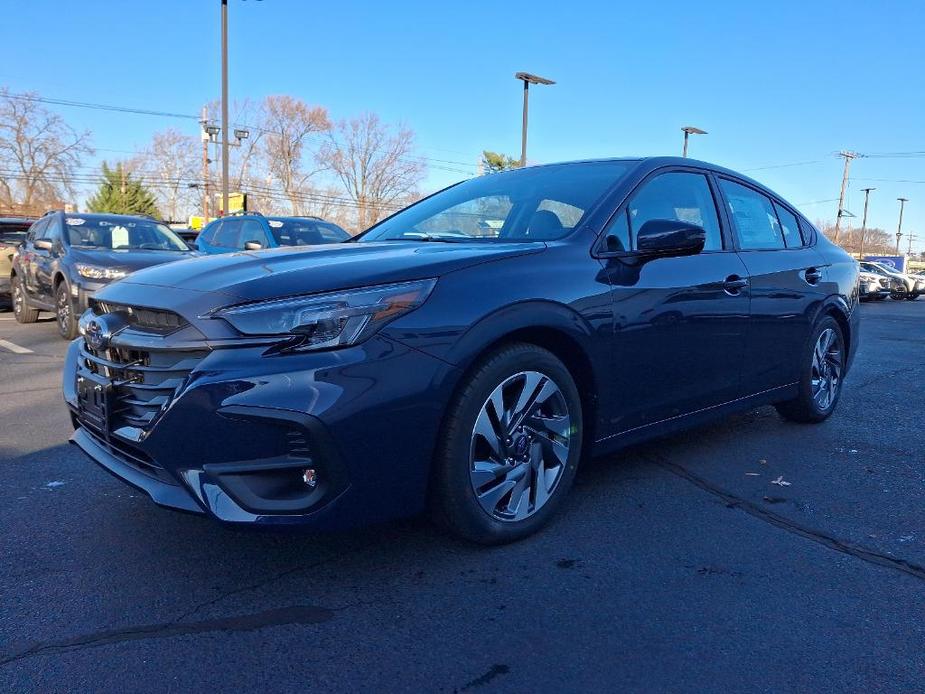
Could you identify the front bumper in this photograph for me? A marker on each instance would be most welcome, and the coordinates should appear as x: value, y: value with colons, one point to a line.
x: 236, y: 438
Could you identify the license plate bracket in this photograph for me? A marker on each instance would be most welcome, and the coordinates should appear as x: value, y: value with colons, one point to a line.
x: 93, y: 396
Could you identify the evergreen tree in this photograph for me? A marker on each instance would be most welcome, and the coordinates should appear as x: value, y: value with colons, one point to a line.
x: 119, y: 193
x: 495, y: 162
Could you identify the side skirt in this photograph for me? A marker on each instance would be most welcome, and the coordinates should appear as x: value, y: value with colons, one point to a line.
x: 692, y: 419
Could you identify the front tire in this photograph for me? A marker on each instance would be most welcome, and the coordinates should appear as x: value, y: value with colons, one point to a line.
x: 64, y: 310
x: 822, y: 370
x: 21, y: 310
x: 509, y: 448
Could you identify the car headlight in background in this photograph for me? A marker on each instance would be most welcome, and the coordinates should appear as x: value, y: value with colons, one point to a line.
x: 95, y: 272
x: 333, y: 319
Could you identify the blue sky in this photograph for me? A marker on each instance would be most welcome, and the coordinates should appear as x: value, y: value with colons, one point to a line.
x: 774, y: 83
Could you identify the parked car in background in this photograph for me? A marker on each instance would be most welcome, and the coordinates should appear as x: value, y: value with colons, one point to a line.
x: 189, y: 236
x: 430, y: 364
x: 12, y: 233
x: 902, y: 286
x: 873, y: 287
x: 66, y: 258
x: 253, y: 231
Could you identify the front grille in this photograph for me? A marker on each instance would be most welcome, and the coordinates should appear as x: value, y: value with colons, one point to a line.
x: 141, y: 318
x: 143, y: 382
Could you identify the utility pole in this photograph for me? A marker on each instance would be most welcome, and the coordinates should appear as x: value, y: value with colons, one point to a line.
x: 224, y: 107
x: 899, y: 228
x: 205, y: 165
x: 844, y: 184
x: 910, y: 238
x: 866, y: 192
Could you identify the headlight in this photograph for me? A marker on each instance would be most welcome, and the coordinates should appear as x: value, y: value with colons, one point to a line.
x: 95, y: 272
x: 335, y: 319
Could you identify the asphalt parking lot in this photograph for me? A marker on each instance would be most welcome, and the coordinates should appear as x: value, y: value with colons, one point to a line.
x: 752, y: 555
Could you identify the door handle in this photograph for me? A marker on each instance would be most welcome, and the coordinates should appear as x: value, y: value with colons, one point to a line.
x: 812, y: 275
x: 734, y: 284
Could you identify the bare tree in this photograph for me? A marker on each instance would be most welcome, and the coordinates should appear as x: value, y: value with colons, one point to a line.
x: 375, y: 164
x: 287, y: 128
x: 39, y: 154
x: 168, y: 165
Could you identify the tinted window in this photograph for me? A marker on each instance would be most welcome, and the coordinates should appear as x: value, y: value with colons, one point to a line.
x: 252, y: 232
x: 226, y: 236
x: 305, y: 232
x: 537, y: 203
x: 13, y: 233
x: 38, y: 229
x: 677, y: 196
x: 789, y: 226
x: 53, y: 230
x: 807, y: 230
x: 753, y: 217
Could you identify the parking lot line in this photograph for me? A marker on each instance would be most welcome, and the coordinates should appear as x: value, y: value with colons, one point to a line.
x: 16, y: 349
x: 7, y: 318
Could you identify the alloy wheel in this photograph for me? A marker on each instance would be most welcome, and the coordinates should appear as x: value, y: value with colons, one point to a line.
x: 519, y: 446
x: 64, y: 309
x: 826, y: 368
x: 17, y: 299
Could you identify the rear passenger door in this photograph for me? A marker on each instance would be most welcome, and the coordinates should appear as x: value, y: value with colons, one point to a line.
x: 679, y: 323
x: 787, y: 280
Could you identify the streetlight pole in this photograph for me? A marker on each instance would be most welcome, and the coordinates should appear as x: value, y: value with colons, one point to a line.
x: 689, y: 130
x: 527, y: 79
x: 899, y: 228
x: 224, y: 107
x: 866, y: 192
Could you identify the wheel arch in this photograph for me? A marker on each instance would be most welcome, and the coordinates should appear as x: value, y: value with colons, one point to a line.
x: 837, y: 308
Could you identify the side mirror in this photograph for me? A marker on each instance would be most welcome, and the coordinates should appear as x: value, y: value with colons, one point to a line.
x: 253, y: 246
x: 43, y: 244
x: 665, y: 238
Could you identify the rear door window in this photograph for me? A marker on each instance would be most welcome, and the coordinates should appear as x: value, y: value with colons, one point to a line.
x: 789, y: 226
x: 753, y: 217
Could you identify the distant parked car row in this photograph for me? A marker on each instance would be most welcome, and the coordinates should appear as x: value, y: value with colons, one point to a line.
x: 879, y: 281
x: 58, y: 262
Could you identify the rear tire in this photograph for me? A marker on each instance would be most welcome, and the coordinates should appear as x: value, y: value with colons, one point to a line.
x: 64, y: 310
x: 509, y: 447
x: 821, y: 372
x: 21, y: 310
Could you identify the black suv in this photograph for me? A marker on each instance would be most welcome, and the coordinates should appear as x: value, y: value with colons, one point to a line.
x: 66, y: 258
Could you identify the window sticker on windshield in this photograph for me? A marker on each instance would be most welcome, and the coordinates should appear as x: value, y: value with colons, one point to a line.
x: 119, y: 236
x: 75, y: 221
x: 274, y: 223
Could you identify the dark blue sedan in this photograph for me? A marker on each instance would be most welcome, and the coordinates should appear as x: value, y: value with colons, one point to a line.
x: 465, y: 354
x: 254, y: 232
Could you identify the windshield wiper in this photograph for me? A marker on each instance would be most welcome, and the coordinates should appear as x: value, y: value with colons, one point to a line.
x: 424, y: 237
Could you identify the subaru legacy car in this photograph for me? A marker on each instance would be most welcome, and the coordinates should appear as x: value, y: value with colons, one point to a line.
x: 252, y: 232
x: 449, y: 361
x: 66, y: 258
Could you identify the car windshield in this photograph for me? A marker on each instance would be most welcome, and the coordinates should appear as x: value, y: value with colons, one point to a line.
x: 121, y: 233
x: 535, y: 204
x: 305, y: 232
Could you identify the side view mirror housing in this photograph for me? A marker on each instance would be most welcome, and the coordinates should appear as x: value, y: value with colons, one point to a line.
x: 43, y: 244
x: 666, y: 238
x: 253, y: 246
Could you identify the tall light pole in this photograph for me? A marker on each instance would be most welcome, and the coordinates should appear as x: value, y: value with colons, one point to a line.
x: 899, y: 228
x: 689, y: 130
x: 527, y: 79
x: 866, y: 192
x: 224, y: 107
x: 841, y: 196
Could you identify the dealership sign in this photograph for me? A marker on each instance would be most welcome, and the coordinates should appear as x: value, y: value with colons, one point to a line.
x: 897, y: 262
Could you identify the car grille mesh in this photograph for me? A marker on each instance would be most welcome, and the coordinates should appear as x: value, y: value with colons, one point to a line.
x: 141, y: 318
x: 143, y: 382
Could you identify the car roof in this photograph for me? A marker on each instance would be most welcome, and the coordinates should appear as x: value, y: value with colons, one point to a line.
x: 109, y: 215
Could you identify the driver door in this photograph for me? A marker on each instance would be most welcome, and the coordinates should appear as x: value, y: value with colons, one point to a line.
x: 679, y: 322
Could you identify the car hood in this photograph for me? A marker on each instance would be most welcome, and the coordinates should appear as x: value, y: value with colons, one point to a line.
x: 126, y: 259
x: 288, y: 271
